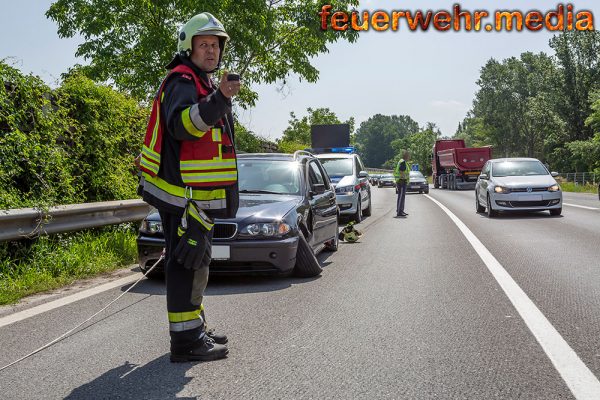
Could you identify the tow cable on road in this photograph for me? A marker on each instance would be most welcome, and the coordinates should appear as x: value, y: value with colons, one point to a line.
x: 66, y: 334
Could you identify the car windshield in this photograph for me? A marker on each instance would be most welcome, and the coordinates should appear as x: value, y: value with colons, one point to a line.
x: 416, y: 175
x: 337, y: 166
x: 387, y: 176
x: 269, y: 176
x: 518, y: 168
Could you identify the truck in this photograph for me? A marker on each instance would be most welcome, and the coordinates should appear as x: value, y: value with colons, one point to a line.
x: 455, y: 166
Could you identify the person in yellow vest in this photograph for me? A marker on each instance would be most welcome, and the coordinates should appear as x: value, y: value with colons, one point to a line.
x: 401, y: 174
x: 189, y: 173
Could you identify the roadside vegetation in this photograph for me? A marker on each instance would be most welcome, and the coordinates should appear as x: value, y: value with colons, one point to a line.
x: 50, y: 262
x: 572, y: 187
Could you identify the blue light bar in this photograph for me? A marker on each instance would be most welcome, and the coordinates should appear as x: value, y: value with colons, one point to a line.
x: 346, y: 150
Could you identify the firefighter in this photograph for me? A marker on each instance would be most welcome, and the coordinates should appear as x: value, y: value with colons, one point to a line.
x: 189, y: 173
x: 401, y: 174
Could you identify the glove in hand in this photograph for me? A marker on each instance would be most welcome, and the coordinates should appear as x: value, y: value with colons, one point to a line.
x: 196, y: 232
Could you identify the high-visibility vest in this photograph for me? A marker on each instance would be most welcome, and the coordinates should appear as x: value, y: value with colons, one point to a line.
x: 209, y: 161
x: 401, y: 175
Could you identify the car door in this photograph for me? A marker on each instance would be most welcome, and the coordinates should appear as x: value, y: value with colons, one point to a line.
x: 483, y: 183
x: 322, y: 204
x: 363, y: 182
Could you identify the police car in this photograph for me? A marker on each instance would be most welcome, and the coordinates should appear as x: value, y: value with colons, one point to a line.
x: 350, y: 179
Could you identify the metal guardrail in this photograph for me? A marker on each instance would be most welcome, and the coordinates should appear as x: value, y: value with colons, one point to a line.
x: 30, y: 222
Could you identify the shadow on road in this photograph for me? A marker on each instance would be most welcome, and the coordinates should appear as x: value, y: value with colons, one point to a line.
x: 225, y: 285
x: 159, y: 379
x: 509, y: 215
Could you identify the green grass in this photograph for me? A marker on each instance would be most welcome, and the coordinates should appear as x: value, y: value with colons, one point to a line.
x: 58, y: 260
x: 571, y: 187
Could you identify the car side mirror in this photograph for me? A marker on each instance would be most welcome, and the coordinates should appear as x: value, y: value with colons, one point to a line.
x: 554, y: 174
x: 483, y: 176
x: 317, y: 188
x: 363, y: 174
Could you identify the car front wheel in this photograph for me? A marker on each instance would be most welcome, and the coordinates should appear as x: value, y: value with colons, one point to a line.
x: 333, y: 244
x: 358, y: 214
x: 491, y: 213
x: 555, y: 211
x: 367, y: 211
x: 307, y: 264
x: 478, y: 207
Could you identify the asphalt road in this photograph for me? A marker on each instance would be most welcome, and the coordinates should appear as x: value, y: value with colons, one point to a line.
x: 411, y: 311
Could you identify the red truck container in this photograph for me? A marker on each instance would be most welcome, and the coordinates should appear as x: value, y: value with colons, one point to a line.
x: 456, y: 166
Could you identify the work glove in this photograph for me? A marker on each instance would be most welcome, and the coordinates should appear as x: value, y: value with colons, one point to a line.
x: 195, y: 232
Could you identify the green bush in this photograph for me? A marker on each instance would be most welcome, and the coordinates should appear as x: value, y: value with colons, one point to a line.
x: 74, y: 144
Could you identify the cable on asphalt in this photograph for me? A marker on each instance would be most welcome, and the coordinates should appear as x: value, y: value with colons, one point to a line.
x: 66, y: 334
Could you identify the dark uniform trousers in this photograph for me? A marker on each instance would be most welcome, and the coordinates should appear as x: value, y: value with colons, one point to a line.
x: 185, y: 287
x: 401, y: 186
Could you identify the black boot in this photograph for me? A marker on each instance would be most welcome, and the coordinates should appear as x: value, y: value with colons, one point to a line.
x: 217, y: 337
x: 204, y: 350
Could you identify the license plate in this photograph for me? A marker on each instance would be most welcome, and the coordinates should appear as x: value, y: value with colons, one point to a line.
x: 531, y: 197
x: 221, y: 253
x: 414, y: 186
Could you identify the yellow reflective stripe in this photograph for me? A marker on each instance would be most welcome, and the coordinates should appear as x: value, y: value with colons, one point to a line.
x: 155, y: 130
x: 197, y: 194
x: 149, y: 165
x: 208, y: 165
x: 209, y: 178
x: 184, y: 316
x: 150, y: 154
x: 216, y: 135
x: 189, y: 125
x: 196, y: 215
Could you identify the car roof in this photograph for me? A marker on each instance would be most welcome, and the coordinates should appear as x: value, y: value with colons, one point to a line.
x: 273, y: 156
x: 508, y: 159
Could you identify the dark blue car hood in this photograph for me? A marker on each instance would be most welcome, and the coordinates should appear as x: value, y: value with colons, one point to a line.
x: 265, y: 206
x: 258, y: 206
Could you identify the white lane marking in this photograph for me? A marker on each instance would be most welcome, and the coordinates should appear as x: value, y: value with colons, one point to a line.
x: 42, y: 308
x: 582, y: 382
x: 578, y: 206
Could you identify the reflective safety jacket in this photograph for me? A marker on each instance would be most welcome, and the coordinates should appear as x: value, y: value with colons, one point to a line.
x: 188, y: 149
x: 400, y: 174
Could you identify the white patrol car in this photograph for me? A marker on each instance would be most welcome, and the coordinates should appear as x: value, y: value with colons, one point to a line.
x: 351, y: 181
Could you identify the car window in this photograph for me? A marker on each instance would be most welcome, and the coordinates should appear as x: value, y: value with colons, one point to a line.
x: 416, y: 174
x: 269, y: 175
x: 359, y: 165
x: 518, y: 168
x: 337, y: 167
x: 486, y: 168
x: 314, y: 174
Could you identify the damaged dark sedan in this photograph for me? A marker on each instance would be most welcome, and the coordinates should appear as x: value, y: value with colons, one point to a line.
x: 287, y: 215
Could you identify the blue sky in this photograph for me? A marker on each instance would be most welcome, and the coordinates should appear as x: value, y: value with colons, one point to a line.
x: 428, y: 75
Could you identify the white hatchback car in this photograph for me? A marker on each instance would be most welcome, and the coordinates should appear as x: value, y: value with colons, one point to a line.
x: 517, y: 184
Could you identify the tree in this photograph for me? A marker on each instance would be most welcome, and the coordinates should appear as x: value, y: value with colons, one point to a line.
x: 377, y: 138
x: 420, y: 145
x: 578, y: 56
x: 297, y: 135
x: 129, y: 43
x: 514, y: 106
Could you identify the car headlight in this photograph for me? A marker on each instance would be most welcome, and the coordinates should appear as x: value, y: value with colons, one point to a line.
x: 554, y: 188
x: 265, y: 229
x: 151, y: 227
x: 345, y: 189
x: 501, y: 189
